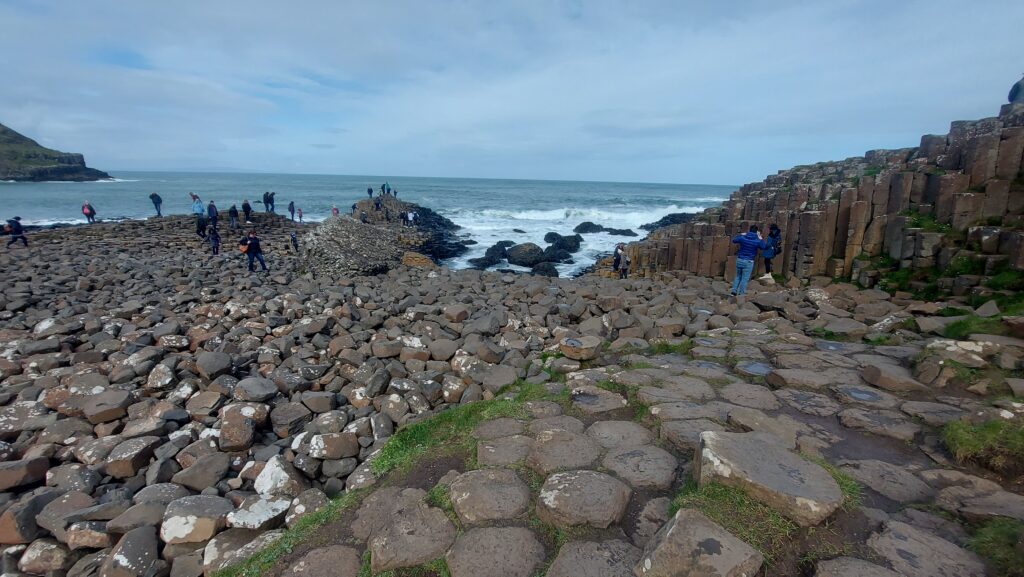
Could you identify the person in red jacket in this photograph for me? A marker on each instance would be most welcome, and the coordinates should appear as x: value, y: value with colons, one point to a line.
x: 89, y: 212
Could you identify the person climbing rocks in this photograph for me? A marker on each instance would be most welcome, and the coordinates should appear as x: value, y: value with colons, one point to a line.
x: 624, y: 265
x: 620, y: 249
x: 247, y: 210
x: 354, y: 208
x: 387, y: 188
x: 411, y: 217
x: 254, y: 251
x: 336, y: 212
x: 774, y: 242
x: 89, y: 212
x: 233, y: 217
x: 295, y: 241
x: 213, y: 213
x: 382, y: 190
x: 215, y: 240
x: 369, y: 192
x: 394, y: 192
x: 362, y: 217
x: 300, y: 214
x: 17, y: 232
x: 200, y: 211
x: 376, y: 205
x: 157, y: 201
x: 270, y: 197
x: 291, y: 208
x: 749, y: 243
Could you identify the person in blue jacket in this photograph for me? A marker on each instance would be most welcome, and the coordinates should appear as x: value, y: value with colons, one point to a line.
x: 774, y: 242
x: 749, y: 243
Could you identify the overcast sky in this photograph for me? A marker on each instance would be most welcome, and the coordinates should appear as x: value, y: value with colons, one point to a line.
x: 652, y: 91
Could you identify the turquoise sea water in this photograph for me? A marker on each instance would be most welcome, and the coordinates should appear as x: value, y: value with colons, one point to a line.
x: 489, y: 210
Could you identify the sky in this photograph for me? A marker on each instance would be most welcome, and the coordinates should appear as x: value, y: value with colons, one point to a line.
x: 723, y: 92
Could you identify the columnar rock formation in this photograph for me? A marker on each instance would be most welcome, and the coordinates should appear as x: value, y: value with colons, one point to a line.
x: 965, y: 186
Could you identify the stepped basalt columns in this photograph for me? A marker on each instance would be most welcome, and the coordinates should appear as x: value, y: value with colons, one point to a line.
x: 966, y: 186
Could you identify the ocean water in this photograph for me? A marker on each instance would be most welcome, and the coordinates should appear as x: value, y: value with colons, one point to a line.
x: 489, y: 210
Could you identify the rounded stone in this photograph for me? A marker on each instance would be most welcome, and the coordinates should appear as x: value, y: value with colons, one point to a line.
x: 495, y: 552
x: 557, y: 450
x: 489, y: 495
x: 588, y: 559
x: 582, y: 498
x: 646, y: 467
x: 610, y: 434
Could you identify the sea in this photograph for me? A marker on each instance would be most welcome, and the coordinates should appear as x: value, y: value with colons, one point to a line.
x: 488, y: 210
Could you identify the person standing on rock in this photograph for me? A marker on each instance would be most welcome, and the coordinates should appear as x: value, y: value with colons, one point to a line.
x: 270, y: 197
x: 291, y: 208
x: 336, y: 212
x: 213, y: 213
x: 369, y: 192
x: 247, y: 209
x: 620, y: 249
x: 254, y: 251
x: 215, y: 240
x: 774, y: 242
x: 17, y: 232
x: 295, y: 241
x: 749, y: 243
x: 157, y: 201
x: 200, y: 211
x: 89, y: 212
x: 300, y: 214
x: 624, y: 265
x: 233, y: 217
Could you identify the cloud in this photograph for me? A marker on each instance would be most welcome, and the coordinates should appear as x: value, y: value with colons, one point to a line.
x: 664, y: 91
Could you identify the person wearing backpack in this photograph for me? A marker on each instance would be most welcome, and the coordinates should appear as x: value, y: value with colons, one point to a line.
x: 17, y: 232
x: 749, y: 243
x: 774, y: 242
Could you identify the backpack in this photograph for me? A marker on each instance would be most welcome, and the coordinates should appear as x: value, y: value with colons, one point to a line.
x: 243, y: 245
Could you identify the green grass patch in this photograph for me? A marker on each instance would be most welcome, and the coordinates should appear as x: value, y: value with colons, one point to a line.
x: 925, y: 222
x: 872, y: 171
x: 449, y: 430
x: 964, y: 265
x: 962, y: 328
x: 998, y: 541
x: 435, y: 568
x: 667, y: 348
x: 1007, y: 280
x: 752, y: 521
x: 997, y: 445
x: 439, y: 496
x: 853, y: 492
x: 263, y: 561
x: 641, y: 409
x: 881, y: 340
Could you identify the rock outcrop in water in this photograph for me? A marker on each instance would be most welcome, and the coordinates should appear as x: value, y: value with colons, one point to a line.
x: 23, y: 159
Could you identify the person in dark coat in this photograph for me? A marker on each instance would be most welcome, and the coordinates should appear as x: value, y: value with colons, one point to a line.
x: 266, y: 201
x: 291, y: 208
x: 16, y: 231
x: 270, y: 197
x: 620, y: 249
x: 157, y: 201
x: 89, y: 212
x: 369, y: 191
x: 749, y: 243
x: 774, y: 242
x: 215, y: 240
x: 233, y: 217
x: 213, y: 214
x: 247, y: 209
x: 295, y: 241
x: 254, y: 251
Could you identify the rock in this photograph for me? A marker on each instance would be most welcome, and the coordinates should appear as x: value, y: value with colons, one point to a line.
x: 891, y: 378
x: 581, y: 349
x: 799, y: 489
x: 610, y: 434
x: 753, y: 396
x: 654, y: 514
x: 134, y: 555
x: 489, y: 495
x: 545, y: 269
x: 891, y: 481
x: 934, y: 414
x: 847, y: 328
x: 194, y: 519
x: 582, y: 498
x: 554, y: 450
x: 401, y: 530
x: 44, y: 557
x: 796, y: 378
x: 880, y: 422
x: 503, y: 451
x: 685, y: 435
x: 605, y: 559
x: 526, y: 254
x: 23, y: 472
x: 690, y: 544
x: 644, y: 467
x: 851, y: 567
x: 261, y: 513
x: 495, y: 551
x: 129, y: 456
x: 593, y: 400
x: 255, y: 389
x: 497, y: 428
x: 233, y: 546
x: 308, y: 502
x: 206, y: 472
x: 107, y: 406
x: 914, y: 553
x: 279, y: 477
x: 212, y: 365
x: 334, y: 560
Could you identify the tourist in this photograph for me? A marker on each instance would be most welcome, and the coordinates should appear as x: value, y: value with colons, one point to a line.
x: 336, y: 212
x: 362, y: 217
x: 387, y: 188
x: 291, y: 208
x: 382, y: 190
x: 17, y: 232
x: 247, y: 210
x: 376, y: 205
x: 411, y: 217
x: 749, y: 243
x: 369, y: 191
x: 213, y: 213
x: 300, y: 215
x: 354, y: 208
x: 270, y: 197
x: 254, y: 251
x: 215, y: 240
x: 266, y: 201
x: 233, y: 217
x: 620, y: 249
x: 157, y: 201
x: 394, y: 193
x: 774, y: 242
x: 200, y: 212
x: 197, y: 204
x: 295, y: 241
x: 624, y: 265
x: 89, y: 212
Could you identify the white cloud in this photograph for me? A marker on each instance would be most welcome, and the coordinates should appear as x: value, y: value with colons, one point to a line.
x: 650, y: 91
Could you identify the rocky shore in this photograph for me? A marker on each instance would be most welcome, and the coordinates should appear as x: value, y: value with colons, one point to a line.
x: 24, y: 160
x: 166, y: 412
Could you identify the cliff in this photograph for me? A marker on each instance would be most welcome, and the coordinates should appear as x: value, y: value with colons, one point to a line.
x: 956, y: 199
x: 23, y: 159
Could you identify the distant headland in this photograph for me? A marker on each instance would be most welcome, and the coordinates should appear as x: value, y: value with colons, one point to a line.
x: 24, y: 160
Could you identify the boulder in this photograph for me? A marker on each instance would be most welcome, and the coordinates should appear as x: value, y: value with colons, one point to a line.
x: 526, y: 254
x: 582, y: 498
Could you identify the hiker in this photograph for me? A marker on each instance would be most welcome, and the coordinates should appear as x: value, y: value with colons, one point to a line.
x: 291, y: 208
x: 369, y: 191
x: 774, y: 242
x: 620, y: 249
x: 376, y: 205
x: 382, y: 190
x: 295, y: 241
x: 250, y: 245
x: 17, y: 232
x: 200, y: 212
x: 624, y: 265
x: 354, y: 208
x: 387, y: 188
x: 213, y: 213
x: 394, y: 193
x: 411, y: 217
x: 266, y: 201
x: 336, y: 212
x: 215, y: 240
x: 157, y: 201
x: 749, y: 243
x: 362, y: 217
x: 233, y: 217
x: 270, y: 197
x: 247, y: 210
x: 89, y: 212
x: 300, y: 215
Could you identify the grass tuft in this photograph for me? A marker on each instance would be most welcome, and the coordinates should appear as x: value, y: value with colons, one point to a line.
x: 667, y: 348
x: 997, y: 445
x: 762, y: 527
x: 853, y: 492
x: 261, y: 562
x: 965, y: 327
x: 998, y: 541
